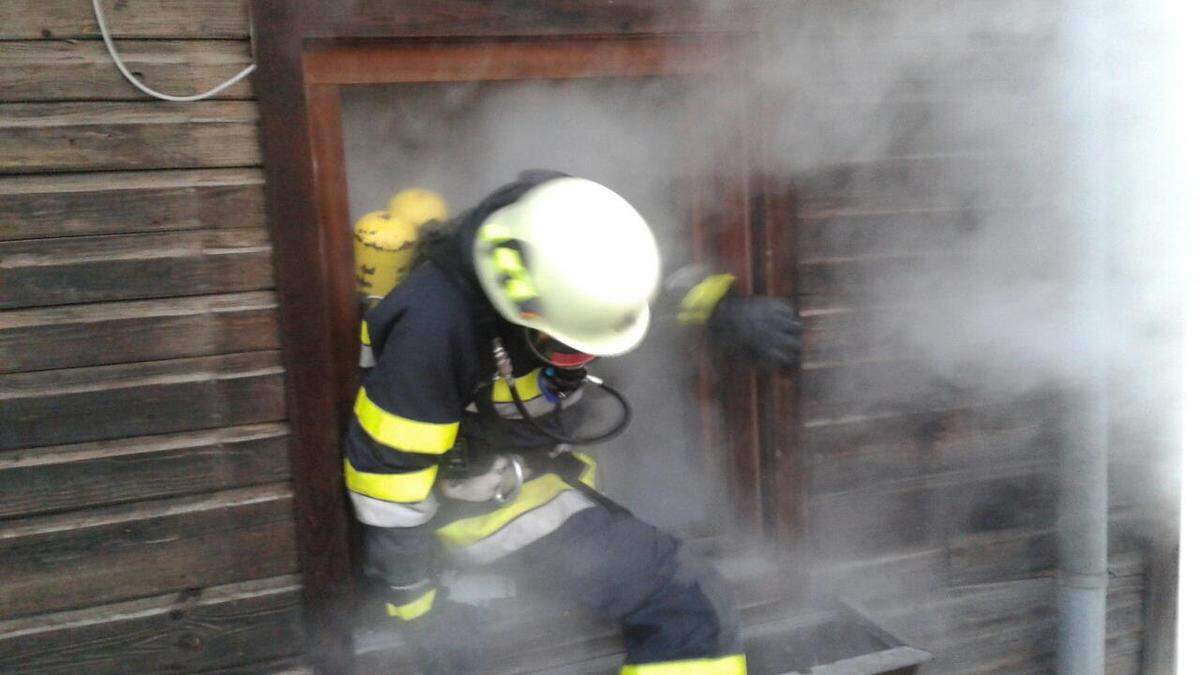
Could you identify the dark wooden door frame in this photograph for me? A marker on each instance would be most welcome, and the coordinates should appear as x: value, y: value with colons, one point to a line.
x: 300, y: 109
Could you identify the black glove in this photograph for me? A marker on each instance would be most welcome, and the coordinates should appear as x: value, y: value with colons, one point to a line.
x: 446, y: 640
x: 766, y: 330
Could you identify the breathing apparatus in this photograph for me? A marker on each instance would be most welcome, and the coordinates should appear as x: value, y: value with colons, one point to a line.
x: 573, y: 307
x: 556, y: 382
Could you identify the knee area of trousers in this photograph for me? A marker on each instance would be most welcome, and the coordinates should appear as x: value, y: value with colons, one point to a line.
x: 697, y: 572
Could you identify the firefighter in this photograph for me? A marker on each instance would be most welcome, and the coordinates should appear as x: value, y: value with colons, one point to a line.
x: 464, y: 441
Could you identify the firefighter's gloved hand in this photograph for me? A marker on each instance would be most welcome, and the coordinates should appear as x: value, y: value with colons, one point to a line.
x: 446, y: 640
x: 766, y: 330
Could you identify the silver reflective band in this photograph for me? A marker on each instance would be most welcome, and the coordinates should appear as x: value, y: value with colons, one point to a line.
x: 366, y: 357
x: 424, y: 583
x: 536, y: 406
x: 524, y: 530
x: 380, y: 513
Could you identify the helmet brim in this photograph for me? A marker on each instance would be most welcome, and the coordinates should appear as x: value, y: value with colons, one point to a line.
x: 608, y: 343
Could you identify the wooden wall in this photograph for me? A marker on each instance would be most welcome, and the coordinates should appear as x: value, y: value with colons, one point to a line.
x: 931, y: 496
x: 145, y: 509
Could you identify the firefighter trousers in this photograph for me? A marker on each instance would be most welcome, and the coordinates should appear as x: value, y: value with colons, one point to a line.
x: 677, y: 614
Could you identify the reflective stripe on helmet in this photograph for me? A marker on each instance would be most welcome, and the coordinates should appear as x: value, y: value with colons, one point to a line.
x: 401, y: 433
x: 586, y: 252
x: 408, y: 487
x: 734, y: 664
x: 380, y: 513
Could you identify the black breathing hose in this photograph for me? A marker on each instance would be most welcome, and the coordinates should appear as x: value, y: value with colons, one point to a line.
x: 505, y: 368
x: 616, y: 430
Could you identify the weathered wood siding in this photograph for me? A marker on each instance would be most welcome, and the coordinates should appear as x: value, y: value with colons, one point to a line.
x: 145, y: 511
x: 931, y: 496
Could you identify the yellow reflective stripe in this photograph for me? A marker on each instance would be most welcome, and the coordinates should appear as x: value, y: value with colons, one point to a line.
x: 699, y: 302
x: 401, y: 433
x: 527, y: 388
x: 364, y: 336
x: 724, y: 665
x: 535, y: 493
x: 408, y: 487
x: 414, y: 609
x: 589, y: 474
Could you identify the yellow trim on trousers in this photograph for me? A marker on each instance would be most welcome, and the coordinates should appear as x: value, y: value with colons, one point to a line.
x: 417, y: 608
x: 721, y: 665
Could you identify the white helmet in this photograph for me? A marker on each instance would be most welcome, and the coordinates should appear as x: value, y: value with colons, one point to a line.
x: 574, y: 260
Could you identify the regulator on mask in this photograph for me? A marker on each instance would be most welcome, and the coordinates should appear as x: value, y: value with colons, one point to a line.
x: 566, y: 368
x: 564, y: 374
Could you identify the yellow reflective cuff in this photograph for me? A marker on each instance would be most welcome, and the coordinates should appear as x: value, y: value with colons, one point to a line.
x: 408, y: 487
x: 723, y: 665
x: 527, y: 388
x: 401, y: 433
x: 699, y: 302
x: 416, y: 608
x: 533, y: 494
x: 364, y: 336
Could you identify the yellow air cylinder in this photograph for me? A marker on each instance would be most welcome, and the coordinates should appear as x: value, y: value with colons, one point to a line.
x: 417, y: 206
x: 384, y: 246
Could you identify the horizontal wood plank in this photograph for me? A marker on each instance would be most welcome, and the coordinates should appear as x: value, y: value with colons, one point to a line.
x: 292, y: 665
x: 544, y: 58
x: 217, y: 628
x: 923, y: 180
x: 46, y: 137
x: 83, y: 70
x: 65, y: 205
x: 71, y: 270
x: 841, y: 232
x: 505, y: 18
x: 923, y: 449
x: 911, y: 574
x: 1002, y: 555
x: 876, y: 388
x: 45, y: 19
x: 1005, y: 626
x: 59, y: 478
x: 77, y: 559
x: 55, y: 407
x: 127, y: 332
x: 926, y: 510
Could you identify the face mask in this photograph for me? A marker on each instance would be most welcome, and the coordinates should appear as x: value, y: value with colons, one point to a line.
x: 554, y: 352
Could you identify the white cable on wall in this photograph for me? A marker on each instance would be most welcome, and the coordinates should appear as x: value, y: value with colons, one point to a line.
x: 112, y: 51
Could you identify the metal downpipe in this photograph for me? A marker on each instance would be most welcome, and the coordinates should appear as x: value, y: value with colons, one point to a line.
x: 1083, y: 498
